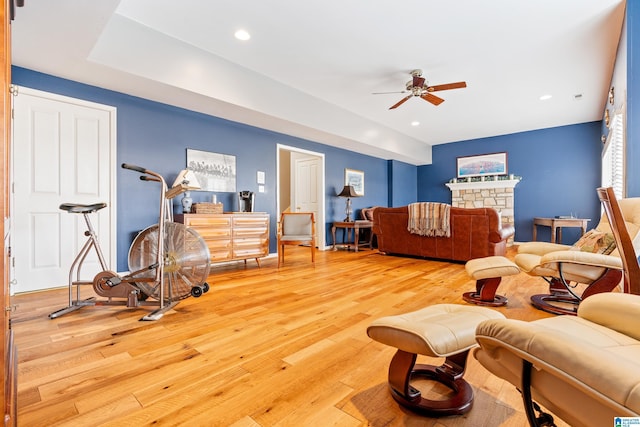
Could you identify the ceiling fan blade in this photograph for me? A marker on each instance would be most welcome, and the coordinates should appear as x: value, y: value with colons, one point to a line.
x: 399, y: 103
x: 432, y: 98
x: 418, y: 81
x: 385, y: 93
x: 457, y: 85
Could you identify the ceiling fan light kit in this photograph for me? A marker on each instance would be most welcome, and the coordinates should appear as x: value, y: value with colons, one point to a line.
x: 418, y: 87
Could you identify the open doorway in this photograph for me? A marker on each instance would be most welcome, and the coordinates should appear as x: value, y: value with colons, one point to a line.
x: 301, y: 185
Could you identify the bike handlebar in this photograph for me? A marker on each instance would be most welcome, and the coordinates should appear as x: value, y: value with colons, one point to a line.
x: 149, y: 178
x: 147, y: 174
x: 134, y: 168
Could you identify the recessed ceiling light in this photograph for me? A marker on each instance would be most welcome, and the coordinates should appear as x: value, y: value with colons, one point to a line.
x: 415, y: 123
x: 242, y: 35
x: 545, y: 97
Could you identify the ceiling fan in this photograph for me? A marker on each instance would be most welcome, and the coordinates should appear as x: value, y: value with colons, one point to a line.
x: 418, y: 87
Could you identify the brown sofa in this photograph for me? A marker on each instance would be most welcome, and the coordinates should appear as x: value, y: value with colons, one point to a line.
x: 475, y: 233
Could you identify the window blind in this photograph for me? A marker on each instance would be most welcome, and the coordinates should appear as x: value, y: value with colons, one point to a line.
x: 613, y: 157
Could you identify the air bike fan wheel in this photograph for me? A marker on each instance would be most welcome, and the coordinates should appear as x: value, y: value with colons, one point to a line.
x: 186, y: 261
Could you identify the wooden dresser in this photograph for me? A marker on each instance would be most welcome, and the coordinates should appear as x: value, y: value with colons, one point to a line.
x: 231, y: 236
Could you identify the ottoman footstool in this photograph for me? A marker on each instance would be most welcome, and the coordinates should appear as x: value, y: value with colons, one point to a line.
x: 488, y: 272
x: 442, y: 330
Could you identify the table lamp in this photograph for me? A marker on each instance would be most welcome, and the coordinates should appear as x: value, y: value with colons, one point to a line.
x: 187, y: 181
x: 348, y: 191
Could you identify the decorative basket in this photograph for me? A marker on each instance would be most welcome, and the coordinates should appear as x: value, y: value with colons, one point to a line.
x: 207, y: 208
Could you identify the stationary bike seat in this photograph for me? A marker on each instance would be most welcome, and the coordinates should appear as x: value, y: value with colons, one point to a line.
x: 76, y: 208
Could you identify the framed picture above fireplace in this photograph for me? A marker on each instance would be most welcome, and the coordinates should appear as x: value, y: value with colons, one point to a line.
x: 481, y: 165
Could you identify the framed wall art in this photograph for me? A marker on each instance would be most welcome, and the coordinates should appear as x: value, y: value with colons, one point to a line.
x: 485, y: 164
x: 214, y: 171
x: 356, y: 179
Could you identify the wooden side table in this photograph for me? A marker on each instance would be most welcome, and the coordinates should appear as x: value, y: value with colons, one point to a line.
x: 356, y: 226
x: 556, y: 225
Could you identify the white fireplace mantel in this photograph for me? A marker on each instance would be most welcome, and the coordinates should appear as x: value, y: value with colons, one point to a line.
x: 505, y: 183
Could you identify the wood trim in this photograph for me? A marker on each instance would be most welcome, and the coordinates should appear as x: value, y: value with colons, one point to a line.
x: 6, y: 391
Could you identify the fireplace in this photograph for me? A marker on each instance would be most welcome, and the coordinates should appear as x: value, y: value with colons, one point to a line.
x: 495, y: 193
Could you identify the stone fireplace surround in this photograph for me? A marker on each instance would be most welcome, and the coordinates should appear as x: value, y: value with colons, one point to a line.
x: 498, y: 194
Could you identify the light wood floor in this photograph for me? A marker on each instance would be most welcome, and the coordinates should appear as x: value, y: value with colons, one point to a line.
x: 264, y: 347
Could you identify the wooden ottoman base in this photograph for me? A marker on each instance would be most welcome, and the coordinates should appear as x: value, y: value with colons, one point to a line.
x: 441, y: 330
x: 403, y: 368
x: 488, y: 273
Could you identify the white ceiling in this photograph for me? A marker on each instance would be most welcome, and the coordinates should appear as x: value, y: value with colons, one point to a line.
x: 310, y: 68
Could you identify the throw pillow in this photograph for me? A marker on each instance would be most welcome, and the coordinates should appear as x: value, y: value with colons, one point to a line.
x: 368, y: 213
x: 597, y: 242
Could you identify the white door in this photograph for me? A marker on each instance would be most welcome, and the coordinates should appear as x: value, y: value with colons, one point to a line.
x: 63, y: 152
x: 306, y: 186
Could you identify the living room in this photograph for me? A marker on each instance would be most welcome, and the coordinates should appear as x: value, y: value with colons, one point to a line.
x: 564, y: 158
x: 559, y: 166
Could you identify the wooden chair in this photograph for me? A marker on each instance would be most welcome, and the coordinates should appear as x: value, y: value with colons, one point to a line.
x: 296, y: 228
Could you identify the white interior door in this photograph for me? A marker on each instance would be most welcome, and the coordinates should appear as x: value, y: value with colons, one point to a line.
x: 306, y: 186
x: 63, y: 152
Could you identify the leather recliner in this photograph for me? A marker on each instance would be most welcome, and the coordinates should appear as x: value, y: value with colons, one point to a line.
x: 573, y: 274
x: 585, y: 368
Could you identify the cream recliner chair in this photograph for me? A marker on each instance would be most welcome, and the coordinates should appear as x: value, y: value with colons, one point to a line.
x: 572, y: 274
x: 584, y: 368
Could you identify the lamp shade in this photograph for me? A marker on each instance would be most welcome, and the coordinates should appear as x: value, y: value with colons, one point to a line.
x: 348, y: 191
x: 188, y: 179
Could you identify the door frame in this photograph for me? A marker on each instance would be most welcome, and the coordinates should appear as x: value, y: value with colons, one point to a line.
x: 112, y: 205
x: 320, y: 221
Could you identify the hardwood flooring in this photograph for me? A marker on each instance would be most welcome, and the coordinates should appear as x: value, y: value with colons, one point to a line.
x: 264, y: 347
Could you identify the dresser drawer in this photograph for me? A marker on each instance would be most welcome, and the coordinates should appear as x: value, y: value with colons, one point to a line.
x: 251, y: 221
x: 213, y: 232
x: 204, y: 220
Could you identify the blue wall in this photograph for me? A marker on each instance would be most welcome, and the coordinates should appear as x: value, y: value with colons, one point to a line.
x: 155, y: 136
x: 403, y: 183
x: 560, y: 166
x: 560, y: 169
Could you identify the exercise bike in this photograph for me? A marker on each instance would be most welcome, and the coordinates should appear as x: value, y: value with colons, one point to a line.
x: 166, y: 269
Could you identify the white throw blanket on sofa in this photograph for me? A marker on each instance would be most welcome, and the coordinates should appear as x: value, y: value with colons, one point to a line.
x: 429, y: 219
